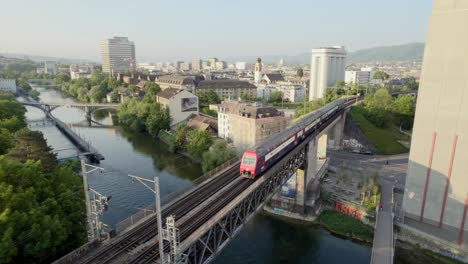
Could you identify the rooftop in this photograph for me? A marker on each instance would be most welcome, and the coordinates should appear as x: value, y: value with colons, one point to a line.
x: 176, y: 79
x: 225, y: 84
x: 168, y: 93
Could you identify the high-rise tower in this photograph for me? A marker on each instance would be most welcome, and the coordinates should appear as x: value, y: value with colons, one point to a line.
x: 326, y: 68
x: 118, y: 55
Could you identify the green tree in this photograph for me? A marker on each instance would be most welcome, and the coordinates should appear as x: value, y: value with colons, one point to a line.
x: 198, y: 142
x: 42, y: 213
x: 181, y: 135
x: 158, y: 119
x: 152, y: 88
x: 405, y: 109
x: 219, y: 153
x: 411, y: 85
x: 381, y: 75
x: 300, y: 73
x: 379, y: 107
x: 61, y: 78
x: 276, y: 96
x: 6, y: 140
x: 115, y: 98
x: 12, y: 113
x: 31, y: 145
x: 96, y: 77
x: 21, y: 66
x: 82, y: 93
x: 97, y: 93
x: 207, y: 97
x: 340, y: 84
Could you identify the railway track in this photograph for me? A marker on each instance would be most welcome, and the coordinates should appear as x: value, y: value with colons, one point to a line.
x: 147, y: 230
x: 151, y: 254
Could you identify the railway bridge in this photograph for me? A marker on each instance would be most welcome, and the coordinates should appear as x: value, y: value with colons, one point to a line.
x: 202, y: 221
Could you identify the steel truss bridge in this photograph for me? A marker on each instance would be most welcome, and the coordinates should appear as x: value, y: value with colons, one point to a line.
x: 200, y: 223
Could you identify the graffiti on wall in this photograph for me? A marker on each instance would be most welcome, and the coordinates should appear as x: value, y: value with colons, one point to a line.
x: 288, y: 190
x: 348, y: 210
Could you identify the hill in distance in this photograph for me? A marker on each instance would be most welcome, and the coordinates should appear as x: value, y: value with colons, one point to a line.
x: 406, y: 52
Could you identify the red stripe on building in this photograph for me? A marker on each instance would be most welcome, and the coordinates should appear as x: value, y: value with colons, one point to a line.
x: 447, y: 183
x: 462, y: 225
x: 428, y: 175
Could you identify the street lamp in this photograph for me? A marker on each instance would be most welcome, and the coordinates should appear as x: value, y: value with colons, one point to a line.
x: 91, y: 230
x: 158, y: 209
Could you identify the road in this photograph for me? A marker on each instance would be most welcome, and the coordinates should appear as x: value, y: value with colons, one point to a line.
x: 382, y: 249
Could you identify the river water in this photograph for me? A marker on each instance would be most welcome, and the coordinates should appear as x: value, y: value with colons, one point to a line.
x: 265, y: 239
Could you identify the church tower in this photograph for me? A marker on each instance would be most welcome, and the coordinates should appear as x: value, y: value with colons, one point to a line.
x: 258, y: 71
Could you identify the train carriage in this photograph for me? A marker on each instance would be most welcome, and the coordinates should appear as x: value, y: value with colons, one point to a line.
x: 260, y: 158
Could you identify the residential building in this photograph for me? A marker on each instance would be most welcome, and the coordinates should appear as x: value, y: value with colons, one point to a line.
x: 118, y: 55
x: 185, y: 66
x: 212, y: 62
x: 258, y: 71
x: 205, y: 65
x: 220, y: 65
x: 80, y: 71
x: 8, y: 85
x: 264, y: 92
x: 242, y: 65
x: 232, y: 89
x: 181, y: 103
x: 50, y: 67
x: 436, y: 191
x: 151, y: 67
x: 357, y: 77
x: 197, y: 65
x: 178, y: 65
x: 176, y: 81
x: 292, y: 92
x: 327, y: 67
x: 248, y: 125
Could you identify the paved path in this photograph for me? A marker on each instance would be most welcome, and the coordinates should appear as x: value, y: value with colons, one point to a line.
x: 382, y: 249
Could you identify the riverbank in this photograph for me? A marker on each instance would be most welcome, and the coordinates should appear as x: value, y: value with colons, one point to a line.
x: 406, y: 253
x: 345, y: 226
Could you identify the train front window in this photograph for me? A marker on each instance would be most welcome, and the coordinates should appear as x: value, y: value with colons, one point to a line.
x: 248, y: 160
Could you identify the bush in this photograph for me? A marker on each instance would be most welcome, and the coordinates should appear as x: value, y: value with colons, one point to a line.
x: 219, y: 153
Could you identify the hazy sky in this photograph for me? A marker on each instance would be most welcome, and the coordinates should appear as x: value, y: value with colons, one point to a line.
x: 192, y: 28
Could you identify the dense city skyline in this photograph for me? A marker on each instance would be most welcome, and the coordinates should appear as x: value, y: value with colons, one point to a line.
x: 160, y: 29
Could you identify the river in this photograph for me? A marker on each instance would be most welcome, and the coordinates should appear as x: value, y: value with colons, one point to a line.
x: 265, y: 239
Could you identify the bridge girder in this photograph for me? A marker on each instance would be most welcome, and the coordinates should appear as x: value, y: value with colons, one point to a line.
x: 208, y: 245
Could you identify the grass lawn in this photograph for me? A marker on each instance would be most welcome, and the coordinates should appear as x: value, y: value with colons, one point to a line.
x: 345, y: 225
x: 385, y: 140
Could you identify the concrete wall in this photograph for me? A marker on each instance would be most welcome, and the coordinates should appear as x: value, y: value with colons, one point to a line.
x: 175, y: 106
x: 437, y: 181
x: 246, y: 132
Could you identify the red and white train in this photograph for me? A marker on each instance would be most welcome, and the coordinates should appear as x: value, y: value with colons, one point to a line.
x: 260, y: 158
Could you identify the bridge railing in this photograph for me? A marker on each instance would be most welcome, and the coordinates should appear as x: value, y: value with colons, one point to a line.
x: 146, y: 212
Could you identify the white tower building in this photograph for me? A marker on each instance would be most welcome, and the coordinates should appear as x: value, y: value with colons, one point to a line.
x: 327, y: 67
x: 258, y: 71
